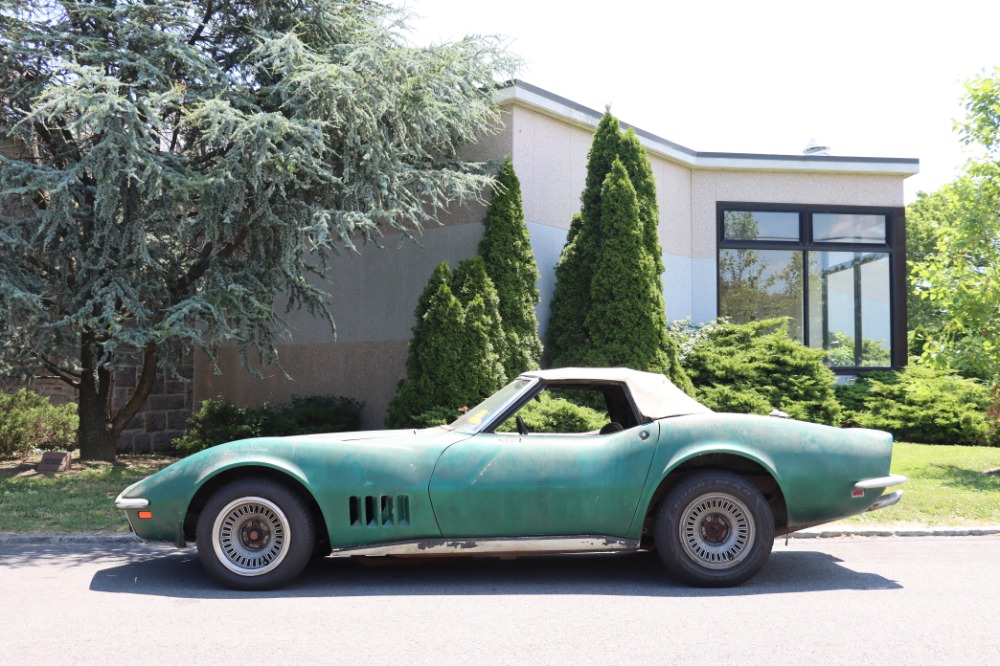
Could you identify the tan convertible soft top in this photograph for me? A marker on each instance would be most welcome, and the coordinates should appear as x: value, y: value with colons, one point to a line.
x: 655, y: 396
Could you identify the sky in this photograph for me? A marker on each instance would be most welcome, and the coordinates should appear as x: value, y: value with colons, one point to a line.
x: 880, y: 78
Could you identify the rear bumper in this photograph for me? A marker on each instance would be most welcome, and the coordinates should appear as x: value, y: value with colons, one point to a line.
x: 881, y: 482
x: 886, y: 500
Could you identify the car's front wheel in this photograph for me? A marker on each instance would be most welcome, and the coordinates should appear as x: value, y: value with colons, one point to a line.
x: 255, y: 534
x: 714, y: 529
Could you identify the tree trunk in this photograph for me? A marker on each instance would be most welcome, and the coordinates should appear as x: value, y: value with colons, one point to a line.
x: 98, y: 440
x: 100, y: 425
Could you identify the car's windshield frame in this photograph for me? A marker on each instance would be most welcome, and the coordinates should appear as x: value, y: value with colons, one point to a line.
x: 484, y: 414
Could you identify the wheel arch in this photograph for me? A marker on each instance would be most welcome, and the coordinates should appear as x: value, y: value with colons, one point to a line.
x: 752, y: 470
x: 232, y: 474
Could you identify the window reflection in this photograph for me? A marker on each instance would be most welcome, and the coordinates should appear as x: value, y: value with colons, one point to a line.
x: 848, y: 228
x: 761, y: 284
x: 849, y: 313
x: 760, y: 225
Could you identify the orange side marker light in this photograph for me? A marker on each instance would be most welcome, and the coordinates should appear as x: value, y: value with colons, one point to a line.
x: 145, y: 515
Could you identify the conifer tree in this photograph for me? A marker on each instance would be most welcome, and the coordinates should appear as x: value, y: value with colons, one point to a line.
x: 470, y: 282
x: 440, y: 276
x: 180, y: 165
x: 510, y: 263
x: 438, y: 379
x: 636, y: 162
x: 575, y: 335
x: 568, y: 339
x: 626, y: 322
x: 453, y: 359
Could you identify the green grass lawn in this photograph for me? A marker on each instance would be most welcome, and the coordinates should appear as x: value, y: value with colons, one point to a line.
x: 949, y: 486
x: 80, y: 501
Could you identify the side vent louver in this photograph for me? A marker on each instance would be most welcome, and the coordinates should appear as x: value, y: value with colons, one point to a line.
x: 379, y: 511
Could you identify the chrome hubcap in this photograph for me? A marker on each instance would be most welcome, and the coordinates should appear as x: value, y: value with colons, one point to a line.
x: 717, y: 531
x: 251, y: 536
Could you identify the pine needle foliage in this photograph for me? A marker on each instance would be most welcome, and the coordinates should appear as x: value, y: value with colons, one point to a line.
x: 624, y: 329
x: 576, y: 337
x: 170, y: 168
x: 453, y: 361
x: 470, y: 282
x: 756, y: 367
x: 510, y: 263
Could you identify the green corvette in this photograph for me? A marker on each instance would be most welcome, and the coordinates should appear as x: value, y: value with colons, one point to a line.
x: 708, y: 491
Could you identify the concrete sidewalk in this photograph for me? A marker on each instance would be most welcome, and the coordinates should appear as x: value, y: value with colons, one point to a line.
x: 820, y: 532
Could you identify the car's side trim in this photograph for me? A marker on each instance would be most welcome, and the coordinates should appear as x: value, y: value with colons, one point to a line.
x: 486, y: 546
x: 886, y: 500
x: 131, y: 502
x: 881, y: 482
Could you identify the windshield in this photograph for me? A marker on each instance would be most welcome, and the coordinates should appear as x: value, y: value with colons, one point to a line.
x: 472, y: 421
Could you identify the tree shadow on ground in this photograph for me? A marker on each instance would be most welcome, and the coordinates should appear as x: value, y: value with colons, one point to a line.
x: 968, y: 479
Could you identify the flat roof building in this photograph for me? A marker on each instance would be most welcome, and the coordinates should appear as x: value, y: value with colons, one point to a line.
x: 817, y: 238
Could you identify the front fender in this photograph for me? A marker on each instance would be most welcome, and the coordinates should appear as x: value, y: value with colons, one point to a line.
x: 170, y: 491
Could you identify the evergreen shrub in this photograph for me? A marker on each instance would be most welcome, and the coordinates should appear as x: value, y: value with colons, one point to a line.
x: 435, y: 416
x: 921, y: 404
x: 753, y: 368
x: 218, y: 421
x: 453, y: 360
x: 510, y: 263
x: 29, y: 421
x: 549, y: 414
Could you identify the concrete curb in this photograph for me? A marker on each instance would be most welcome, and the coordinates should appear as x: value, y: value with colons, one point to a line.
x: 37, y: 539
x: 814, y: 533
x: 833, y: 532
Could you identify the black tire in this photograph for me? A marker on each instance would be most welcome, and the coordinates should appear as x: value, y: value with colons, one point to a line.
x: 714, y: 529
x: 255, y: 534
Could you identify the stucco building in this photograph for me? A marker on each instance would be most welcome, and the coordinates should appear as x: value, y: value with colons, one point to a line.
x: 818, y: 238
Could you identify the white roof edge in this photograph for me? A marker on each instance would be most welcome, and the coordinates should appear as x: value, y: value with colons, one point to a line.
x: 532, y: 97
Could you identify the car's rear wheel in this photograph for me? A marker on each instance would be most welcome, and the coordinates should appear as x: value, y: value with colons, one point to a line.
x: 255, y: 534
x: 714, y: 529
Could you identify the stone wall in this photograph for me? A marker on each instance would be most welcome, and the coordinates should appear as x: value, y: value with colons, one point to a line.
x: 163, y: 417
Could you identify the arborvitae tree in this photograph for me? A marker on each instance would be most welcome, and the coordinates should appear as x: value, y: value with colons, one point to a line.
x: 510, y: 263
x: 470, y: 282
x: 440, y: 276
x: 636, y: 162
x: 572, y: 340
x: 626, y: 322
x: 178, y: 166
x: 568, y: 339
x: 438, y: 379
x: 452, y: 360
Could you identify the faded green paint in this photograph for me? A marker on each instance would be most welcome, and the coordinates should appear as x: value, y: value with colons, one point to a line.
x: 816, y: 466
x: 496, y: 485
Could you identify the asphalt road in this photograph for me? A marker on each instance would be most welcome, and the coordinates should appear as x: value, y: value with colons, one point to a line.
x: 905, y: 600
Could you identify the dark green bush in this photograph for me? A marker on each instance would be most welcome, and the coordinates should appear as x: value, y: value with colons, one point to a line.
x: 756, y: 367
x: 29, y: 421
x: 921, y: 404
x: 435, y: 416
x: 453, y: 361
x: 556, y: 415
x: 217, y: 421
x: 853, y: 394
x: 321, y: 413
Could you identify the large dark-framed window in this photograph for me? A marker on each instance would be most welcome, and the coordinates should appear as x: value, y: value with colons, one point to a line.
x: 836, y: 272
